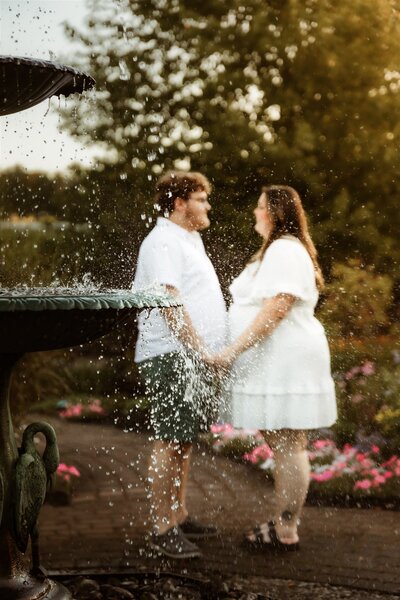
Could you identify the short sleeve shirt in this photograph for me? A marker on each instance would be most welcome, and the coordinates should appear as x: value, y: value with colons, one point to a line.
x: 286, y: 268
x: 172, y: 256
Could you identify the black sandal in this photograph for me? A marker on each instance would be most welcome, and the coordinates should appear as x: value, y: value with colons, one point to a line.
x: 274, y: 543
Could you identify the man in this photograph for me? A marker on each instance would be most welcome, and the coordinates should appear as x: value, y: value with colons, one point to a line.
x: 171, y: 342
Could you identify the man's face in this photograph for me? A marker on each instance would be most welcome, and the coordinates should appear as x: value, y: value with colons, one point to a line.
x: 197, y: 207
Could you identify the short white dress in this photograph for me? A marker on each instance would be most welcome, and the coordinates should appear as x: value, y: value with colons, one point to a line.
x: 285, y: 380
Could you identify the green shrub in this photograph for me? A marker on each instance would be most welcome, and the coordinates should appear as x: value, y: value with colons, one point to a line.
x: 37, y: 377
x: 368, y: 395
x: 357, y: 301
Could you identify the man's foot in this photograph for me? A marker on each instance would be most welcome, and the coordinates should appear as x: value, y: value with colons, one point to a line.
x: 173, y: 543
x: 195, y: 530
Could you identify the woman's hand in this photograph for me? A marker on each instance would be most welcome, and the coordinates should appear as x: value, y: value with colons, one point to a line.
x: 222, y: 361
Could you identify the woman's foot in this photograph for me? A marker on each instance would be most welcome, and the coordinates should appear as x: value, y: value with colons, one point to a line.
x: 265, y: 536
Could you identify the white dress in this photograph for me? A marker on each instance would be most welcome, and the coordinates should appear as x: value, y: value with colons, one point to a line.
x: 285, y: 380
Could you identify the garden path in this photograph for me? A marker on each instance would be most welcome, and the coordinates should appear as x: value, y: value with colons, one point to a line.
x: 105, y: 525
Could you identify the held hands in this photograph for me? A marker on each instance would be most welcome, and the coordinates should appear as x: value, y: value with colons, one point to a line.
x: 222, y: 361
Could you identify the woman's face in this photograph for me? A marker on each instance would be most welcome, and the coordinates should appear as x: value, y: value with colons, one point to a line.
x: 263, y: 217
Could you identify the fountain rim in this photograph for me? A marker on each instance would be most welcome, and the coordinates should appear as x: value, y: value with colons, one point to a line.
x: 26, y: 82
x: 86, y: 301
x: 40, y: 62
x: 28, y: 61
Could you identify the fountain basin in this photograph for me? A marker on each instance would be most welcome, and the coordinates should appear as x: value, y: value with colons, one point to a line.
x: 25, y: 82
x: 32, y: 320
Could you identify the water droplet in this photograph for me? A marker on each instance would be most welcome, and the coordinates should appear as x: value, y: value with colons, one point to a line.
x: 124, y: 72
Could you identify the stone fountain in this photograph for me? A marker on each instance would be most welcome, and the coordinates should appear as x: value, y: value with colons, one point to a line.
x: 35, y: 320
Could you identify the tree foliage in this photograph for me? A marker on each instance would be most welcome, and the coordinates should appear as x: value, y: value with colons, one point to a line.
x: 356, y: 302
x: 302, y: 92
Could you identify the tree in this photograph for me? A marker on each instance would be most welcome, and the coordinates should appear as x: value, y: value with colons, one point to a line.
x: 297, y: 91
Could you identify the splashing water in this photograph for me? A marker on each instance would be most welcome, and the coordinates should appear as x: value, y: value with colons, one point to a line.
x: 85, y: 286
x: 124, y: 73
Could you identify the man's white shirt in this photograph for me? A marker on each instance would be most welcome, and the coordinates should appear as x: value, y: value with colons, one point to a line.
x: 171, y: 255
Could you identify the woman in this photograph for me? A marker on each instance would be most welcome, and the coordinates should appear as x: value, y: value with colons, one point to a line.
x: 281, y: 378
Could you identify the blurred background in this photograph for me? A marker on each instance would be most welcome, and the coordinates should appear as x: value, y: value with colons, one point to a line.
x: 297, y: 92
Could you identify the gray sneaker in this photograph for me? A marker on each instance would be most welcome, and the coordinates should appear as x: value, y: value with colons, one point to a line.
x: 193, y: 529
x: 174, y: 544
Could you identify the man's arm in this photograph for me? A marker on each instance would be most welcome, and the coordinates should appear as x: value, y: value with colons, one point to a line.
x: 181, y: 326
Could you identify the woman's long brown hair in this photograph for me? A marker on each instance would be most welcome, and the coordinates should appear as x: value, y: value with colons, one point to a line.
x: 288, y: 217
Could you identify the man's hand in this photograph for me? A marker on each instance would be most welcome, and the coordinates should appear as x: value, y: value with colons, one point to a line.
x: 181, y: 326
x: 222, y: 361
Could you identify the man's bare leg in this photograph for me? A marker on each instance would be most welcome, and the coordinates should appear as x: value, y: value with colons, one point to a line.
x: 182, y: 480
x: 163, y: 470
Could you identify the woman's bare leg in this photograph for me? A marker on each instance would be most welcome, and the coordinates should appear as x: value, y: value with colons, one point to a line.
x: 292, y: 478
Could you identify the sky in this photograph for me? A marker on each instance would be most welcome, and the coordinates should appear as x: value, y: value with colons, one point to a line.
x: 32, y: 138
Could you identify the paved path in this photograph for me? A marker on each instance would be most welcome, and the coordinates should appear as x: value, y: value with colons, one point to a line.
x: 105, y: 524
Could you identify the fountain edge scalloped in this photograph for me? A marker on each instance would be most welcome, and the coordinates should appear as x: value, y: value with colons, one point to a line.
x: 96, y: 301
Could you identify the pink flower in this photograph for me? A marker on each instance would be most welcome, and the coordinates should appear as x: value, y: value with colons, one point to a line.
x: 263, y: 451
x: 366, y: 463
x: 347, y: 448
x: 62, y: 468
x: 363, y: 484
x: 360, y: 457
x: 375, y: 449
x: 352, y: 373
x: 368, y: 368
x: 75, y: 410
x: 249, y: 456
x: 66, y: 471
x: 74, y: 471
x: 357, y: 398
x: 374, y: 472
x: 325, y: 476
x: 319, y: 444
x: 221, y: 428
x: 259, y: 454
x: 96, y: 407
x: 379, y: 479
x: 340, y: 465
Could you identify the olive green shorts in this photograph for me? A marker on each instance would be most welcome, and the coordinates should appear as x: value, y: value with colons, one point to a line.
x: 182, y: 396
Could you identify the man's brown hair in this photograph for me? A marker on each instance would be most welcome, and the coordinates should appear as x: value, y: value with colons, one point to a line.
x: 178, y: 184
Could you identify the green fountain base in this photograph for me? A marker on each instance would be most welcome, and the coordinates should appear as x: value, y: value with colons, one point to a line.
x: 25, y: 587
x: 32, y: 321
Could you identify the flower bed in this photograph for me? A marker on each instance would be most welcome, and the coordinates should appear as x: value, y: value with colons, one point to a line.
x: 60, y: 492
x: 127, y: 412
x: 91, y: 410
x: 368, y: 393
x: 338, y: 475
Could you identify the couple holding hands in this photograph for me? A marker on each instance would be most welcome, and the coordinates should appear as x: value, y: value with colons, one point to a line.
x: 270, y: 343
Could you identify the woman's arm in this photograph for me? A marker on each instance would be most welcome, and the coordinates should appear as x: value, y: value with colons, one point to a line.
x: 272, y: 312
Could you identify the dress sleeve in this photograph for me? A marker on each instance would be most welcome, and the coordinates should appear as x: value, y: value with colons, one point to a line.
x: 285, y: 268
x: 163, y: 261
